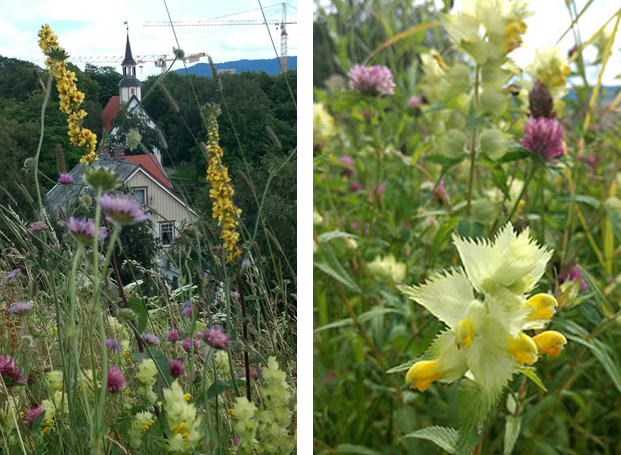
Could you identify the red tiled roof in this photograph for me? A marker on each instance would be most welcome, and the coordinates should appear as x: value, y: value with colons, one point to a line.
x: 110, y: 111
x: 151, y: 164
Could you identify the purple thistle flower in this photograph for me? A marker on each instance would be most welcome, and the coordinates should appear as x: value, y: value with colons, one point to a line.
x: 348, y: 163
x: 150, y: 339
x: 216, y: 338
x: 115, y: 381
x: 33, y: 413
x: 123, y: 209
x: 543, y: 136
x: 186, y: 309
x: 9, y: 371
x: 65, y: 179
x: 187, y: 346
x: 37, y: 226
x: 373, y: 80
x: 173, y: 335
x: 114, y: 344
x: 20, y: 308
x: 84, y: 230
x: 12, y: 276
x: 176, y: 368
x: 236, y: 440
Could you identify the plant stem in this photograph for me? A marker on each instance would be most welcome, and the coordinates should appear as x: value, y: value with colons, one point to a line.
x: 531, y: 172
x: 473, y: 145
x: 242, y: 301
x: 36, y: 165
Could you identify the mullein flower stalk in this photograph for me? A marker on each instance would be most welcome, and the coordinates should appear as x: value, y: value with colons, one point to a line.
x: 70, y: 97
x: 222, y: 191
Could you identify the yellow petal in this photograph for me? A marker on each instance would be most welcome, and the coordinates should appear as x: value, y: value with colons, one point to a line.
x: 544, y: 306
x: 523, y: 349
x: 423, y: 373
x: 550, y: 343
x: 464, y: 332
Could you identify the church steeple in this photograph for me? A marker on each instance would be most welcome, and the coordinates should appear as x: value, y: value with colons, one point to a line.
x: 129, y: 86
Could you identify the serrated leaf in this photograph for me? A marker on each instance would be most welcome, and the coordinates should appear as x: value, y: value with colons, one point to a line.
x: 512, y: 431
x: 142, y: 315
x: 476, y: 405
x: 531, y: 374
x: 331, y: 266
x: 353, y: 448
x: 443, y: 437
x: 599, y: 350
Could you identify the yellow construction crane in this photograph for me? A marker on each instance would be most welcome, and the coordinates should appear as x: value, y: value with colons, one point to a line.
x: 160, y: 60
x: 280, y: 24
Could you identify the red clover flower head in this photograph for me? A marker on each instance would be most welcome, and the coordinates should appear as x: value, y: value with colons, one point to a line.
x: 37, y: 226
x: 372, y: 80
x: 173, y: 335
x: 33, y: 413
x: 10, y: 372
x: 176, y: 368
x: 187, y: 347
x: 65, y: 179
x: 216, y: 338
x: 123, y: 209
x: 84, y: 230
x: 543, y: 136
x: 115, y: 381
x: 20, y: 308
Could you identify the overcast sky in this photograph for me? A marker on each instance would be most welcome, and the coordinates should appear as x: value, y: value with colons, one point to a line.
x: 550, y: 20
x: 93, y: 28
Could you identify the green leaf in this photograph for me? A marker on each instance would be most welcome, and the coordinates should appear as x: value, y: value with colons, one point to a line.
x: 599, y: 295
x: 469, y: 228
x: 352, y: 448
x: 219, y: 387
x: 499, y: 177
x: 327, y: 236
x: 584, y: 199
x: 369, y: 315
x: 514, y: 155
x: 476, y: 405
x: 140, y: 309
x: 512, y: 431
x: 443, y: 437
x: 401, y: 368
x: 531, y: 374
x: 331, y: 266
x: 600, y: 351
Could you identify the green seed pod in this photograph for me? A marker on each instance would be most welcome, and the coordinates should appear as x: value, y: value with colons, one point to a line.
x: 493, y: 143
x: 493, y: 102
x: 452, y: 144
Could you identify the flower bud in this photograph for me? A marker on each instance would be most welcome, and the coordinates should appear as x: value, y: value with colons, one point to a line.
x: 493, y: 143
x: 493, y: 102
x: 540, y: 102
x: 452, y: 144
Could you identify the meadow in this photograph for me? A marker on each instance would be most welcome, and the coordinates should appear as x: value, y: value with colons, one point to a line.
x: 99, y: 353
x: 467, y: 232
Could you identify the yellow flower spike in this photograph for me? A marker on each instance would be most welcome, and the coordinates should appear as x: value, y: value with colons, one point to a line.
x: 422, y: 374
x: 464, y: 332
x: 544, y: 305
x: 513, y: 35
x: 523, y: 349
x: 550, y: 343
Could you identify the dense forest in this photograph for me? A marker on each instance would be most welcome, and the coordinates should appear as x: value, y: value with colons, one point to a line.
x: 257, y: 134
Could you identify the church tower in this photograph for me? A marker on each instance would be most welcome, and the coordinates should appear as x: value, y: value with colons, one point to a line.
x: 129, y: 86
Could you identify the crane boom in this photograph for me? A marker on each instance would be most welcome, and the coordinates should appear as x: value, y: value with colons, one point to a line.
x: 160, y: 60
x: 282, y: 24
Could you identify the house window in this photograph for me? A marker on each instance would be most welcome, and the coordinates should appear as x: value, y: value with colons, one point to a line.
x: 166, y: 233
x: 132, y: 91
x: 140, y: 194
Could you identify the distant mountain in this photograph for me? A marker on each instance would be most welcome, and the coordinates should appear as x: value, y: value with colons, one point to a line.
x: 270, y: 66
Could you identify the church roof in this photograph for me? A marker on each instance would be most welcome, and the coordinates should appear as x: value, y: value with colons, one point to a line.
x: 129, y: 60
x: 110, y: 112
x: 151, y: 164
x: 130, y: 81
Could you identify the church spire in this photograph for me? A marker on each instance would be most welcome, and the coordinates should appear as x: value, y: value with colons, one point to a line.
x: 129, y: 86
